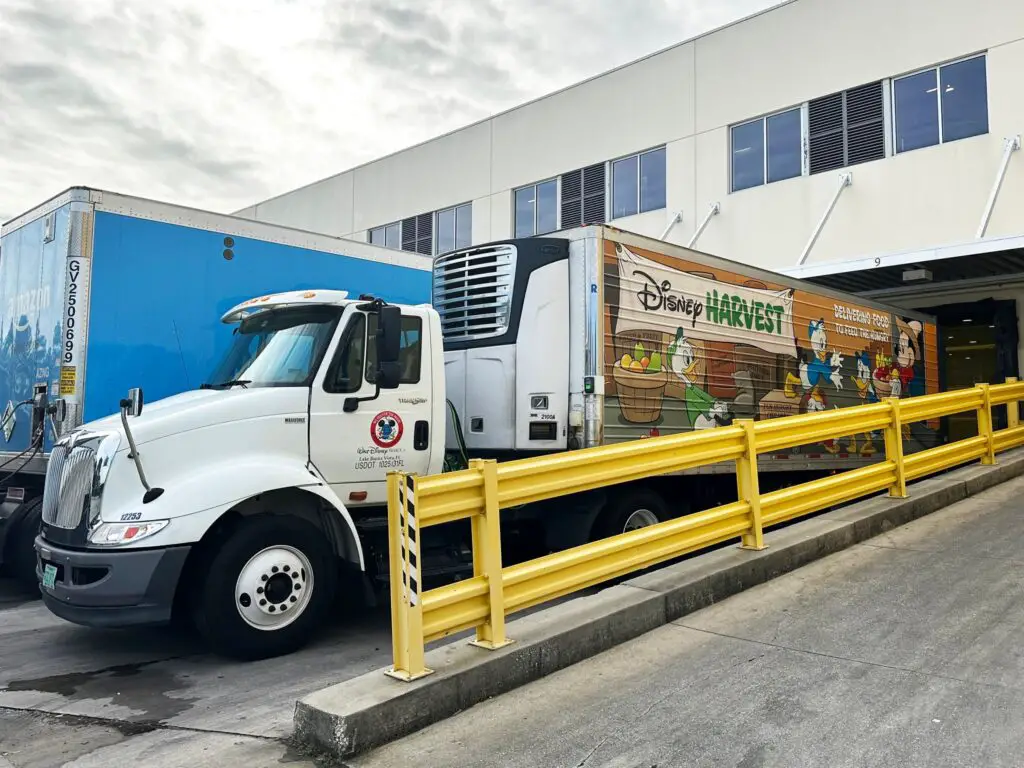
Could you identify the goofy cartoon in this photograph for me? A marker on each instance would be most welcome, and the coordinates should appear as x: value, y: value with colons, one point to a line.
x: 866, y: 391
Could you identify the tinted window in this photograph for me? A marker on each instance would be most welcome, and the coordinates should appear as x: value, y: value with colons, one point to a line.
x: 547, y: 207
x: 446, y: 231
x: 393, y: 236
x: 346, y: 375
x: 784, y: 146
x: 624, y: 187
x: 463, y: 226
x: 964, y: 89
x: 410, y: 351
x: 525, y: 202
x: 652, y: 180
x: 748, y: 155
x: 917, y: 111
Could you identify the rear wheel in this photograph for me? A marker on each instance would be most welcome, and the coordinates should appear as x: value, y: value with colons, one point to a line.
x: 267, y: 589
x: 630, y: 510
x: 21, y: 549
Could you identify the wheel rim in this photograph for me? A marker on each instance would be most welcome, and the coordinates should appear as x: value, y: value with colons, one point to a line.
x: 274, y: 588
x: 640, y: 518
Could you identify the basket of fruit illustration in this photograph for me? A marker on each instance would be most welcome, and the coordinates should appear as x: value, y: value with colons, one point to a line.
x: 882, y: 377
x: 640, y: 382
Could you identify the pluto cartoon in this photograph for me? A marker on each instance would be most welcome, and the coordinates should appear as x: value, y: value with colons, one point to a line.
x: 703, y: 410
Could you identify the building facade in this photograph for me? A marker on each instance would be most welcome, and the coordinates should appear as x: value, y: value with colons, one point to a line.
x: 869, y: 145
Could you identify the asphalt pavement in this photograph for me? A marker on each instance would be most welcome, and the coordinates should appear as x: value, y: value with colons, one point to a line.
x: 76, y: 697
x: 902, y: 651
x: 73, y: 696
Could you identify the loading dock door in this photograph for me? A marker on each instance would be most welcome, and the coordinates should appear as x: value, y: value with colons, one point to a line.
x: 977, y: 345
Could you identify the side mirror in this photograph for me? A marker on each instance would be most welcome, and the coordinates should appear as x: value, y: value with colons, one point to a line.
x: 132, y: 405
x: 389, y: 344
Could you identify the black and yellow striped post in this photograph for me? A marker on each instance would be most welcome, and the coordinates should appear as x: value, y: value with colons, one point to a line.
x: 406, y: 586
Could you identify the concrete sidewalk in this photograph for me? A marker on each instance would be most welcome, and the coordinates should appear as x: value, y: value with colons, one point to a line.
x: 904, y: 650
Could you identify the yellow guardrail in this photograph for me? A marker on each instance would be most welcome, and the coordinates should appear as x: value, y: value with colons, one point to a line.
x: 480, y: 492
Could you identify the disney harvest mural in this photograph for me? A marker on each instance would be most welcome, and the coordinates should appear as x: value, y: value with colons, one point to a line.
x: 693, y: 347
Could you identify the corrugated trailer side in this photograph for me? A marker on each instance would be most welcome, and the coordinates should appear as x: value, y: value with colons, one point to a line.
x: 160, y: 286
x: 691, y: 341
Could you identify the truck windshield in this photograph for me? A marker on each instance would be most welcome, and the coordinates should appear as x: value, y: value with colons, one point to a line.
x: 277, y: 348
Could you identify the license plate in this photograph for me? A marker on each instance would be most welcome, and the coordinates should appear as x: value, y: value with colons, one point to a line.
x: 49, y: 576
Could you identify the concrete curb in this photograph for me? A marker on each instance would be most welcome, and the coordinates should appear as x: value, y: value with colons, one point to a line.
x: 371, y: 710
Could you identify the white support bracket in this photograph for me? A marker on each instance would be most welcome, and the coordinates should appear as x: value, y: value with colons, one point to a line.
x: 676, y: 218
x: 716, y: 208
x: 1011, y: 145
x: 845, y: 180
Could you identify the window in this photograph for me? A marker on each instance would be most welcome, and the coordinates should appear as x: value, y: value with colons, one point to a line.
x: 418, y: 234
x: 346, y: 375
x: 409, y: 351
x: 767, y: 148
x: 583, y: 196
x: 536, y: 209
x: 454, y: 228
x: 277, y: 348
x: 846, y: 128
x: 390, y: 235
x: 638, y: 183
x: 942, y: 104
x: 347, y: 371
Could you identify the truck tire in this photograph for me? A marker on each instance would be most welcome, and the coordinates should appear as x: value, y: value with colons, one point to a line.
x: 628, y: 510
x: 266, y: 590
x: 21, y: 548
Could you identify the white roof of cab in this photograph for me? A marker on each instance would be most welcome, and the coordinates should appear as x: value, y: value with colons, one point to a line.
x: 287, y: 299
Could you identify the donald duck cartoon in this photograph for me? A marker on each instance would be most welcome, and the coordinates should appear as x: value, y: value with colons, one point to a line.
x: 703, y: 410
x: 822, y: 368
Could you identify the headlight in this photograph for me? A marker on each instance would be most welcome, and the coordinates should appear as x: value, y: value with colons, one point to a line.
x: 116, y: 534
x: 106, y: 449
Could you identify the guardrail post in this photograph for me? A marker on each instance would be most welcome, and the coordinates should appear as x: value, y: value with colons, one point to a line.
x: 894, y: 450
x: 1012, y: 408
x: 404, y: 556
x: 487, y: 558
x: 985, y: 425
x: 747, y: 485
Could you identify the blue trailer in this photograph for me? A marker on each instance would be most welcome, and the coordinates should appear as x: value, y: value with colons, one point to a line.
x: 100, y: 292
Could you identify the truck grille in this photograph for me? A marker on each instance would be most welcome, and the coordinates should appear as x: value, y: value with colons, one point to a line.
x: 473, y: 291
x: 69, y: 480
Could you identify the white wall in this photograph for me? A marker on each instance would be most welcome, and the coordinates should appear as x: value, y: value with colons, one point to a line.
x: 686, y: 98
x: 325, y: 206
x: 448, y: 171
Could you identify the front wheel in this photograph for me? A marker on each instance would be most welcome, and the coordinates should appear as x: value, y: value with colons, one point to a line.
x: 266, y: 590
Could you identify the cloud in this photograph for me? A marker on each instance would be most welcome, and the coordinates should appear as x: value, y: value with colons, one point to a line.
x: 221, y: 104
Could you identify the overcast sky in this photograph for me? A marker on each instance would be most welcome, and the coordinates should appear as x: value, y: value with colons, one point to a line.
x: 221, y: 103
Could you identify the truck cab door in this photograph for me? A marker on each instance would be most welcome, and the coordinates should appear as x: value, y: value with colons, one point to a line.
x: 357, y: 434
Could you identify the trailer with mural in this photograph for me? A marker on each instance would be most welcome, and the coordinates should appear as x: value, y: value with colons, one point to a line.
x: 595, y: 336
x: 691, y: 341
